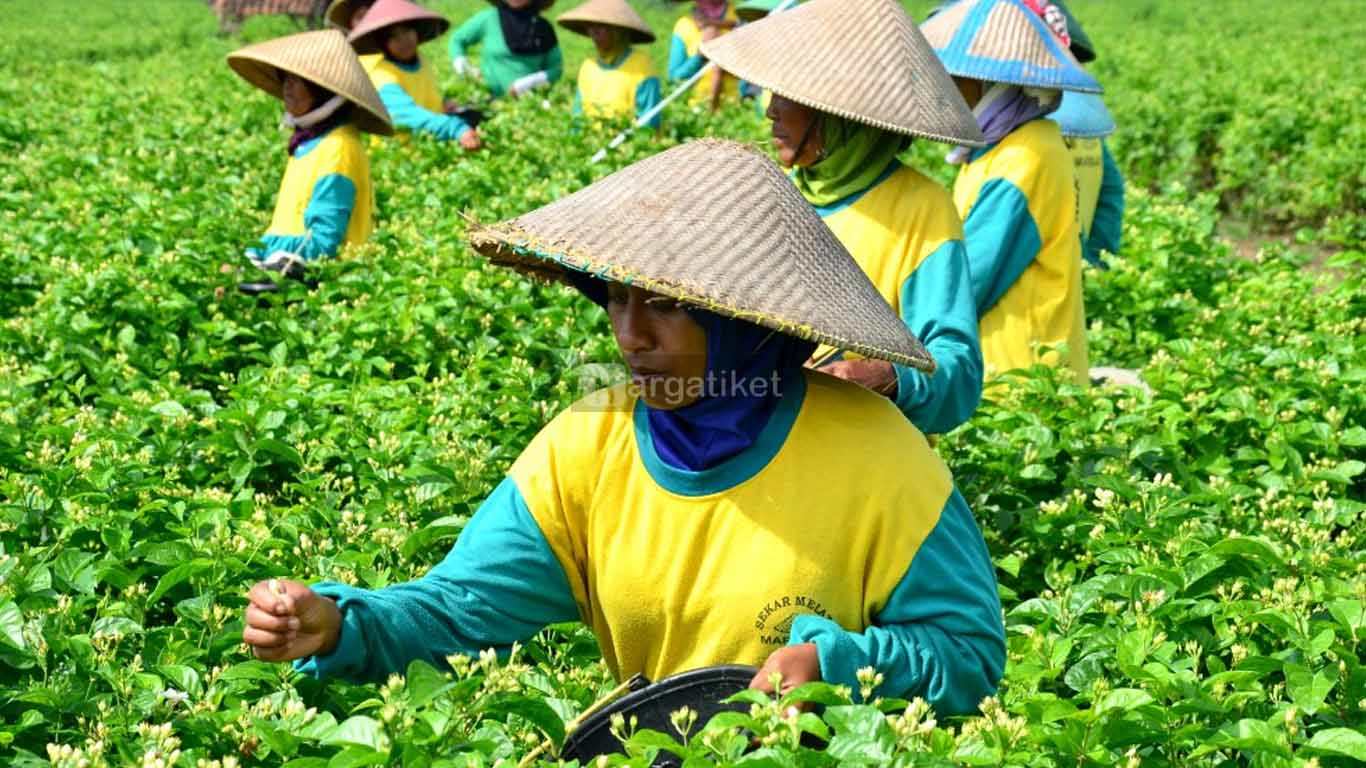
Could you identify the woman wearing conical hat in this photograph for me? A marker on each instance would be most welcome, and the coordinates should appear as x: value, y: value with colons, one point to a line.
x: 1017, y: 195
x: 1085, y: 123
x: 325, y: 200
x: 709, y: 20
x: 842, y: 138
x: 393, y: 29
x: 621, y: 80
x: 518, y: 50
x: 676, y: 516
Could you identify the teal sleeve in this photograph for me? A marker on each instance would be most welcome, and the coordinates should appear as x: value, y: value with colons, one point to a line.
x: 469, y: 34
x: 648, y: 95
x: 325, y: 221
x: 681, y: 65
x: 409, y: 116
x: 1107, y: 226
x: 940, y: 636
x: 1002, y: 239
x: 937, y: 305
x: 554, y: 68
x: 499, y: 585
x: 577, y: 110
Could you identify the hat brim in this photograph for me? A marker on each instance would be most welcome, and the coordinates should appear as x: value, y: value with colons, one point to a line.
x: 580, y: 27
x: 265, y: 74
x: 506, y: 245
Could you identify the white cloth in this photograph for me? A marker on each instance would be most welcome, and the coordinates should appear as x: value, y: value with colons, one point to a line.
x: 529, y: 83
x: 316, y: 116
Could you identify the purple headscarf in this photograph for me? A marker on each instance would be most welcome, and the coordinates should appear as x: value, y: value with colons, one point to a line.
x: 1003, y: 108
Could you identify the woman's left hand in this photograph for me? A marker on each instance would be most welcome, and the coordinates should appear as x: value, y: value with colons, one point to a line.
x: 797, y: 664
x: 877, y: 375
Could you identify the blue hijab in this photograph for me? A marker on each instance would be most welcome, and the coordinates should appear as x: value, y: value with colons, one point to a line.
x: 723, y: 423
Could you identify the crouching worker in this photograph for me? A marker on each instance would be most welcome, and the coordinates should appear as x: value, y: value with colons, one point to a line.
x: 621, y: 80
x: 405, y: 81
x: 325, y: 199
x: 675, y: 515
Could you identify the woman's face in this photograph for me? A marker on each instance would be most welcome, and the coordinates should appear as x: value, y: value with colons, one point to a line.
x: 298, y: 96
x: 793, y: 123
x: 518, y: 5
x: 971, y: 90
x: 604, y: 39
x: 665, y: 348
x: 401, y: 42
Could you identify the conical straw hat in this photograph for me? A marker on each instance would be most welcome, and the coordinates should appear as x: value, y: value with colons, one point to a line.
x: 321, y: 57
x: 1003, y: 41
x: 863, y: 60
x: 1083, y: 116
x: 615, y: 13
x: 715, y: 224
x: 386, y: 13
x: 339, y: 13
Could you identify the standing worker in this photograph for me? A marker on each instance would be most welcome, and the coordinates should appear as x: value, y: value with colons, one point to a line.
x: 709, y: 20
x: 842, y: 137
x: 394, y: 29
x: 674, y: 516
x: 518, y: 50
x: 621, y: 80
x: 1017, y: 195
x: 325, y: 200
x: 1085, y: 123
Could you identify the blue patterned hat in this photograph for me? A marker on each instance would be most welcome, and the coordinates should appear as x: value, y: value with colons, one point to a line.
x: 1083, y: 116
x: 1004, y: 41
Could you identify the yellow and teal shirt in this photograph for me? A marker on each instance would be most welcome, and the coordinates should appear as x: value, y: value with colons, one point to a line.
x: 325, y: 199
x: 685, y: 59
x: 905, y: 233
x: 627, y: 87
x: 675, y: 570
x: 497, y: 63
x: 1100, y: 197
x: 1018, y: 200
x: 410, y: 93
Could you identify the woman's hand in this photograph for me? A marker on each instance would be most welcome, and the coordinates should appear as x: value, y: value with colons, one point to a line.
x: 877, y: 375
x: 286, y: 620
x: 798, y: 664
x: 470, y: 140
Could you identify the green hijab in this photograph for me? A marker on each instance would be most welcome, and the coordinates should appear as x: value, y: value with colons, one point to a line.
x: 854, y: 156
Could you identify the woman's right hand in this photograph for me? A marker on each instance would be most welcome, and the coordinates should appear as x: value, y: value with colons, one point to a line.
x: 470, y: 140
x: 286, y: 620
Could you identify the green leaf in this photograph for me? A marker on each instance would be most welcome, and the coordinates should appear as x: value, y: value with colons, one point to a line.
x: 12, y: 624
x: 535, y: 711
x: 170, y: 409
x: 1249, y: 736
x: 1123, y: 699
x: 359, y: 731
x: 1339, y: 741
x: 1309, y: 690
x: 424, y: 683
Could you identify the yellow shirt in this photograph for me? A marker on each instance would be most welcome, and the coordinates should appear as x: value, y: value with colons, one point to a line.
x: 615, y: 91
x: 741, y: 565
x: 322, y: 180
x: 1088, y: 165
x: 687, y: 39
x: 1018, y: 200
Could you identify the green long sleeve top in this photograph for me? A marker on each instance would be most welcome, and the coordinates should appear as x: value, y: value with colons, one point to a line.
x: 499, y: 65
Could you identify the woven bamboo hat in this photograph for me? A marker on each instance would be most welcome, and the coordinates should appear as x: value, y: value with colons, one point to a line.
x: 1083, y: 116
x: 613, y: 13
x: 715, y: 224
x: 1003, y: 41
x: 386, y: 13
x: 339, y: 12
x: 321, y: 57
x: 864, y: 61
